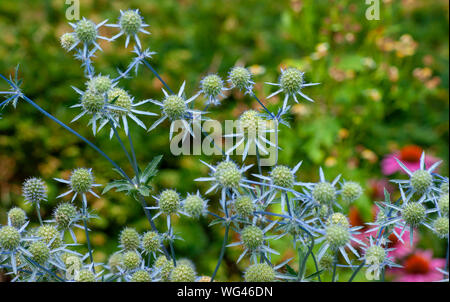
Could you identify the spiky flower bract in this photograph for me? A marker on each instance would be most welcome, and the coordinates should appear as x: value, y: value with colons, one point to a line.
x: 260, y: 272
x: 130, y: 239
x: 182, y: 273
x: 34, y: 190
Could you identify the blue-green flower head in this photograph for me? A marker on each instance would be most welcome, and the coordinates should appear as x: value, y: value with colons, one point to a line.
x: 9, y: 238
x: 86, y: 31
x: 421, y: 180
x: 260, y: 272
x: 81, y: 180
x: 183, y: 273
x: 252, y: 237
x: 34, y: 190
x: 17, y: 217
x: 241, y: 78
x: 413, y: 213
x: 130, y: 22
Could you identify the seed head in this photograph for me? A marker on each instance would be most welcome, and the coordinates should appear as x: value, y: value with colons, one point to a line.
x: 240, y: 78
x: 252, y: 237
x: 182, y: 273
x: 67, y: 40
x: 64, y: 214
x: 164, y: 266
x: 227, y: 174
x: 81, y: 180
x: 421, y: 180
x: 151, y: 242
x: 169, y: 201
x: 324, y: 192
x: 100, y: 84
x: 34, y: 190
x: 174, y: 107
x: 441, y: 226
x: 338, y: 218
x: 244, y: 206
x: 194, y: 205
x: 86, y: 31
x: 85, y: 275
x: 260, y: 272
x: 129, y: 239
x: 49, y: 233
x: 130, y: 22
x: 17, y: 217
x: 131, y: 260
x: 141, y: 276
x: 291, y: 80
x: 92, y: 101
x: 212, y: 85
x: 337, y: 235
x: 351, y: 191
x: 413, y: 213
x: 9, y: 238
x: 375, y: 252
x: 282, y: 176
x: 443, y: 204
x: 122, y: 99
x: 40, y: 251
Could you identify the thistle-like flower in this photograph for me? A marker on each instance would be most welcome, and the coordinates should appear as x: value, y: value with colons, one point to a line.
x: 174, y: 107
x: 34, y: 190
x: 377, y: 257
x: 291, y: 83
x: 130, y: 23
x: 241, y: 78
x: 85, y: 32
x: 81, y: 181
x: 323, y: 192
x: 194, y: 205
x: 212, y: 87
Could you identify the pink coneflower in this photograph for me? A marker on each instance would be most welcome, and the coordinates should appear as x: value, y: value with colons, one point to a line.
x: 419, y: 267
x: 410, y: 156
x: 404, y: 248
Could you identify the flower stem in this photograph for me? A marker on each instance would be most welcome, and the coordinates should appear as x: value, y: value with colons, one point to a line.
x: 334, y: 266
x: 222, y: 251
x: 38, y: 213
x: 357, y: 271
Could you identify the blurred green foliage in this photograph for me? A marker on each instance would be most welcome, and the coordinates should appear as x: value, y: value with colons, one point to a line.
x: 384, y: 86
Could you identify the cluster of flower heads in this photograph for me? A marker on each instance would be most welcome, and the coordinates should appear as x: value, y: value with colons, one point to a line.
x: 309, y: 213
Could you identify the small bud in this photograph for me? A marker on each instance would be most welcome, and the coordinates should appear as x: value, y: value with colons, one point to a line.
x: 100, y: 84
x: 324, y: 193
x: 17, y: 217
x: 443, y: 204
x: 227, y: 174
x: 441, y: 226
x: 413, y: 213
x: 130, y: 22
x: 260, y: 272
x: 252, y: 237
x: 129, y: 239
x: 49, y: 233
x: 212, y: 85
x: 244, y: 206
x: 351, y: 191
x: 39, y: 251
x: 165, y: 267
x: 338, y: 218
x: 67, y: 40
x: 421, y: 180
x: 282, y: 177
x: 251, y: 122
x: 122, y: 99
x: 92, y: 101
x: 375, y: 252
x: 64, y: 214
x: 326, y: 262
x: 141, y: 276
x: 85, y: 275
x: 183, y: 273
x: 86, y: 31
x: 291, y: 80
x: 81, y: 180
x: 151, y: 242
x: 9, y: 238
x: 34, y: 190
x: 169, y: 201
x: 240, y: 78
x: 337, y: 235
x: 131, y: 260
x: 174, y: 107
x: 194, y: 205
x: 115, y: 262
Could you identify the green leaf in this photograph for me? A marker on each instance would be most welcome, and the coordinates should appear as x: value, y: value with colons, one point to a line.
x: 290, y: 270
x: 150, y: 171
x: 115, y: 184
x: 145, y: 191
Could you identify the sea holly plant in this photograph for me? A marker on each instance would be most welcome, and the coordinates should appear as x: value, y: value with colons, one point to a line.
x: 257, y: 205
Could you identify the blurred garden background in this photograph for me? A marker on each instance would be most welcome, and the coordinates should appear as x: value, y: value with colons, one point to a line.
x: 384, y: 90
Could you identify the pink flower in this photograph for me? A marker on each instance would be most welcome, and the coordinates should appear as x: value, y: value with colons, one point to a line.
x: 404, y: 248
x: 410, y: 156
x: 419, y: 267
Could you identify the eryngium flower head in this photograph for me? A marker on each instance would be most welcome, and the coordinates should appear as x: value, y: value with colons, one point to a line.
x: 244, y: 206
x: 141, y: 276
x: 443, y: 204
x: 130, y: 22
x: 227, y: 174
x: 86, y: 31
x: 81, y: 180
x: 351, y: 191
x: 131, y: 260
x: 174, y: 107
x: 182, y: 273
x: 337, y: 235
x: 338, y: 218
x: 85, y: 275
x: 122, y: 99
x: 260, y: 272
x: 67, y: 40
x: 413, y: 213
x: 324, y: 192
x: 291, y: 80
x: 39, y: 251
x: 250, y: 121
x: 169, y: 201
x: 326, y: 262
x: 151, y: 242
x: 241, y: 78
x: 212, y: 86
x: 92, y: 101
x: 9, y: 238
x: 252, y: 237
x: 194, y: 206
x: 444, y: 187
x: 100, y: 84
x: 164, y: 266
x: 282, y: 176
x: 64, y: 214
x: 48, y: 233
x: 321, y: 211
x: 441, y: 226
x: 421, y: 180
x: 129, y: 239
x: 115, y: 262
x: 17, y: 217
x: 34, y: 190
x: 375, y: 254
